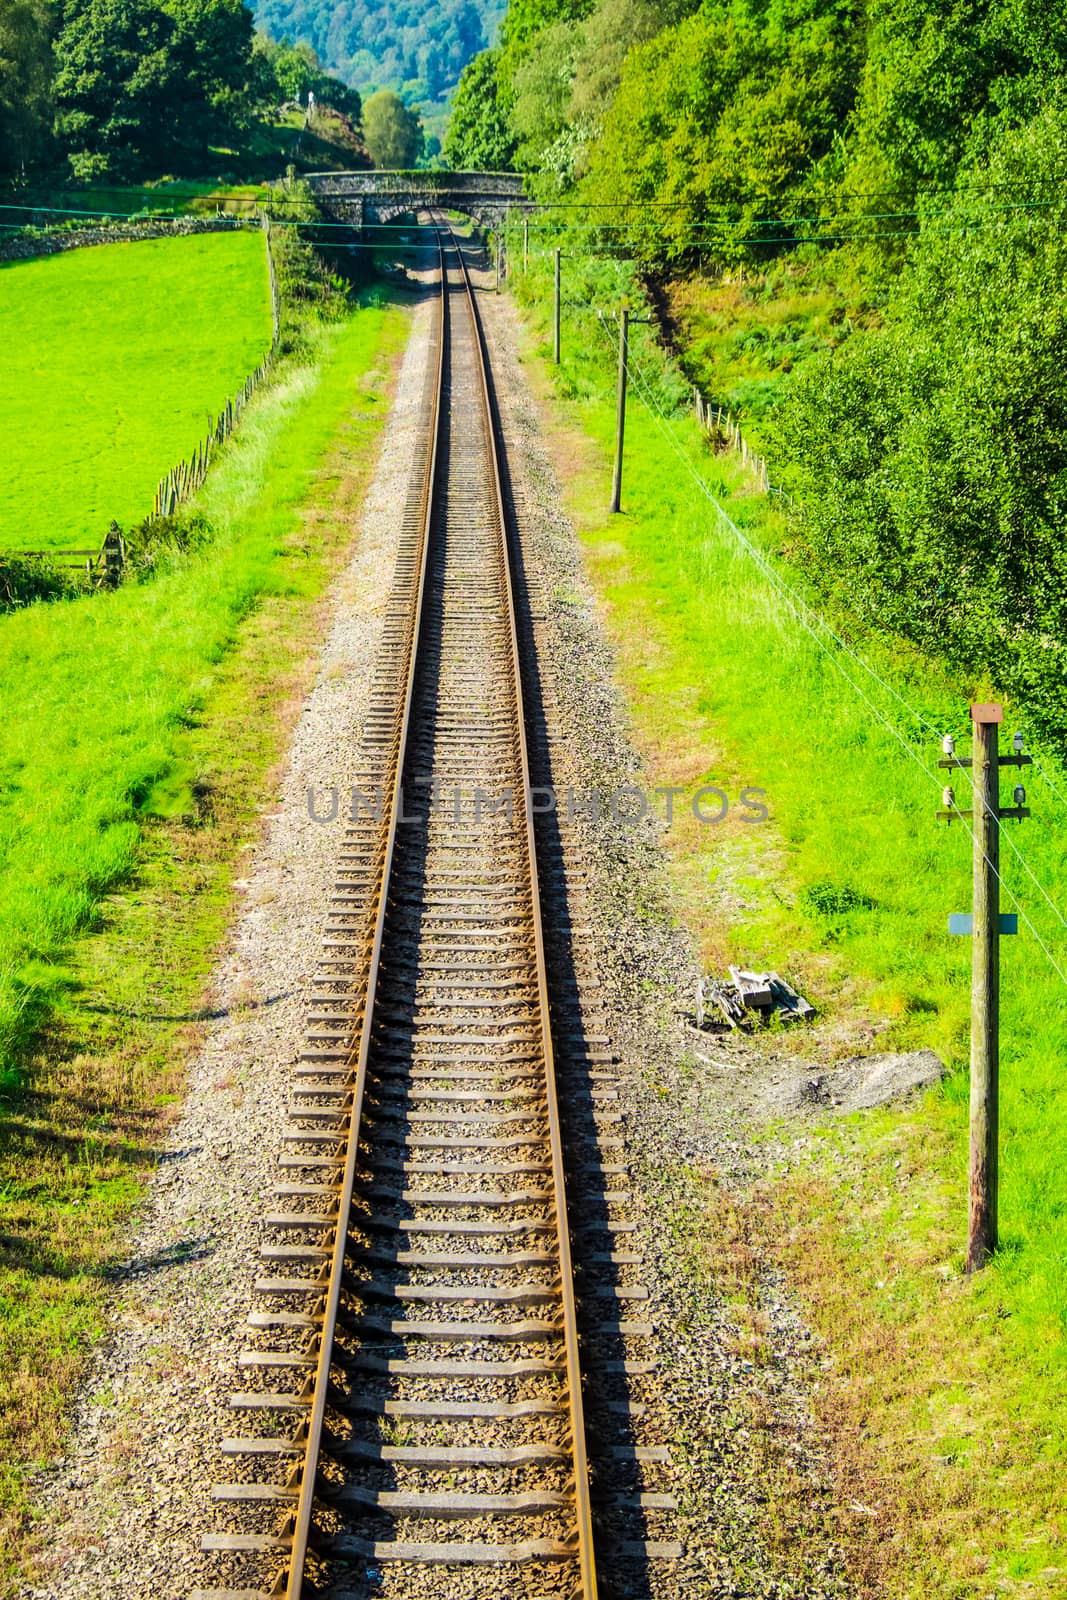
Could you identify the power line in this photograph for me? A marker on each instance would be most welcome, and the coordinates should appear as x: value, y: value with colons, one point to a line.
x: 725, y: 222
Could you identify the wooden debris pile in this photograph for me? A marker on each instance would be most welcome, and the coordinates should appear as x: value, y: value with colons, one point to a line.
x: 750, y: 996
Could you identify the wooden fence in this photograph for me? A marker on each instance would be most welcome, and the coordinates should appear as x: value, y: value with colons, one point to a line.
x: 102, y: 568
x: 717, y: 423
x: 184, y: 479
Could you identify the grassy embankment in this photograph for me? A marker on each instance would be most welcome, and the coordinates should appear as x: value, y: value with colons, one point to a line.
x: 139, y: 734
x: 943, y: 1394
x: 116, y: 358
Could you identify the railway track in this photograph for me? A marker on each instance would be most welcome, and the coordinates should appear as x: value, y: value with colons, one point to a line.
x: 415, y: 1398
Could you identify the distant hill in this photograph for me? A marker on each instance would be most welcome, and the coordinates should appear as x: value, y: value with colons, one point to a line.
x: 417, y: 46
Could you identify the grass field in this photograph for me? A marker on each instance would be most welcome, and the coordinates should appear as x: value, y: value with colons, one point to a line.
x: 139, y: 734
x: 944, y: 1394
x: 115, y: 357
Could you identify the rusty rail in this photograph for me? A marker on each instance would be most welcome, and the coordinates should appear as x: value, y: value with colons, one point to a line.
x: 462, y: 967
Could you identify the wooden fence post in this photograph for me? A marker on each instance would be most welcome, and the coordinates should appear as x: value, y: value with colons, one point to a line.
x: 114, y: 556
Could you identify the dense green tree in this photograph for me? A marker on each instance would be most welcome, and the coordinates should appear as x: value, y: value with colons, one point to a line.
x: 479, y: 139
x: 289, y: 72
x: 932, y: 457
x: 392, y: 131
x: 25, y: 83
x: 213, y: 45
x: 118, y: 88
x: 729, y: 111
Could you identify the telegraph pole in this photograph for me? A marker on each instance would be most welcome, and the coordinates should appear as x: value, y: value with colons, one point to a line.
x: 626, y: 322
x: 985, y: 924
x: 556, y: 319
x: 525, y: 245
x: 620, y: 406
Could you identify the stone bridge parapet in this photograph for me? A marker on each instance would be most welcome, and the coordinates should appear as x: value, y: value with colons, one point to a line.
x: 359, y: 197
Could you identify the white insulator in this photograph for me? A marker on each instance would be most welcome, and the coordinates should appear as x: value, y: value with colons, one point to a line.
x: 1020, y: 795
x: 1017, y: 743
x: 948, y: 797
x: 948, y: 745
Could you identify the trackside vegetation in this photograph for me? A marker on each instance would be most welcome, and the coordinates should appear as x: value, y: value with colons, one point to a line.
x: 116, y: 356
x: 943, y: 1393
x: 135, y: 758
x: 906, y: 159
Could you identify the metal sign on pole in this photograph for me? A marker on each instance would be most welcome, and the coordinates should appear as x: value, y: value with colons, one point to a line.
x: 985, y: 925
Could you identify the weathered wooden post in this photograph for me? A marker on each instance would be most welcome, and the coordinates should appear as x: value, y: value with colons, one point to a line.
x: 556, y: 316
x: 985, y: 924
x: 114, y: 556
x: 985, y: 990
x: 620, y: 406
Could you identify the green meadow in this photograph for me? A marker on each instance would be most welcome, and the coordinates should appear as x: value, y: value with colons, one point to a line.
x: 945, y: 1393
x: 115, y: 359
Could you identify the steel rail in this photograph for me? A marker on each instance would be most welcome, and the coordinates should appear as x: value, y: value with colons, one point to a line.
x: 583, y: 1509
x: 301, y: 1543
x: 302, y: 1524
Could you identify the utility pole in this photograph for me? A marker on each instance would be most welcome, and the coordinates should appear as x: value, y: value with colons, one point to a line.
x: 556, y: 321
x: 525, y: 245
x: 626, y: 322
x: 620, y: 406
x: 985, y: 924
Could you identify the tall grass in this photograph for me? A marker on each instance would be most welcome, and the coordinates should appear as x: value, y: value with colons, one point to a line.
x: 115, y: 359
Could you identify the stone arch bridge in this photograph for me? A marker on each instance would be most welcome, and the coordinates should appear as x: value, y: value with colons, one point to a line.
x: 359, y: 197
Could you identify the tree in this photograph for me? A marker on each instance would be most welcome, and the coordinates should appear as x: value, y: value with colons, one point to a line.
x: 213, y: 44
x: 25, y: 82
x: 118, y: 88
x: 393, y: 133
x: 288, y: 72
x: 478, y: 138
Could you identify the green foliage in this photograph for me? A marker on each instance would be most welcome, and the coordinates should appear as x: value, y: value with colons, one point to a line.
x: 305, y: 280
x: 25, y: 76
x: 24, y: 579
x: 393, y: 132
x: 290, y: 72
x: 144, y: 86
x: 132, y: 88
x: 942, y: 81
x: 479, y: 139
x: 932, y: 458
x: 116, y: 356
x: 727, y: 112
x: 424, y: 44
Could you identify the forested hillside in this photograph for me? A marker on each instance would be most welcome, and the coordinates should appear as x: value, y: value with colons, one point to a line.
x: 417, y: 46
x: 131, y: 89
x: 900, y: 165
